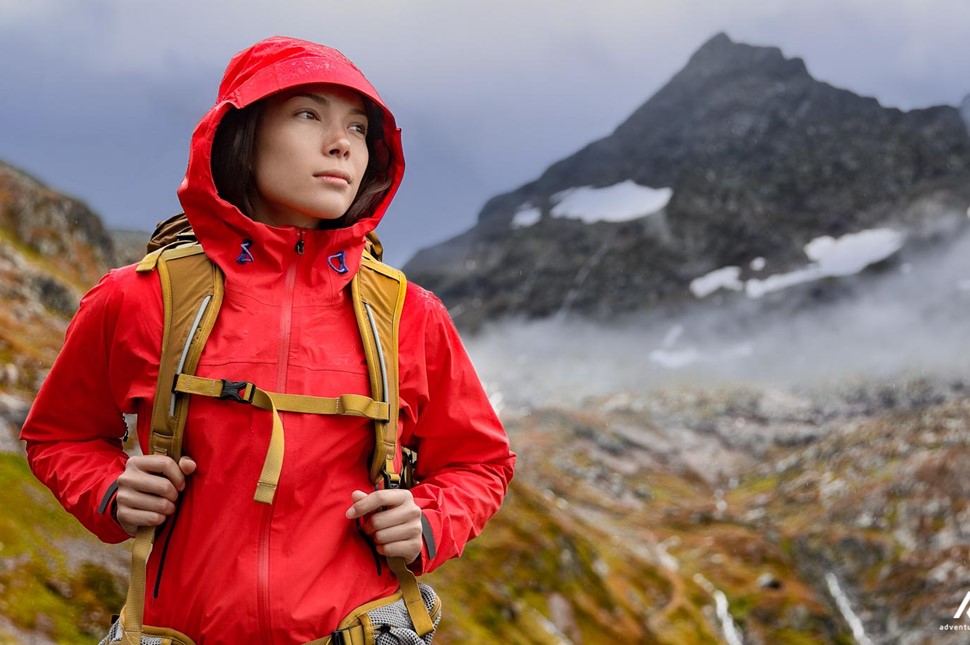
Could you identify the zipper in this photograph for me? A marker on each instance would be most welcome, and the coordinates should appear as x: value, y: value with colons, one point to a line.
x: 168, y: 539
x: 264, y: 607
x: 264, y: 604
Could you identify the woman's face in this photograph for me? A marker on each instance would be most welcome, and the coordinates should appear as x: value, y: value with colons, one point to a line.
x: 310, y: 155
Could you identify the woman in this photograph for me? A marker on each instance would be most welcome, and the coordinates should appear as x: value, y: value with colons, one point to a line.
x: 297, y: 161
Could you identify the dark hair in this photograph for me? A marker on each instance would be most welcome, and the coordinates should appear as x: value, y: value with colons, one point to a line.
x: 234, y: 155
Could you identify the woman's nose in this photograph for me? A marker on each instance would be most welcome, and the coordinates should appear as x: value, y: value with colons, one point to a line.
x: 338, y: 143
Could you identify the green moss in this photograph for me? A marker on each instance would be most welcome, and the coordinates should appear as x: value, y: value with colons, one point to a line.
x: 40, y: 592
x: 50, y: 266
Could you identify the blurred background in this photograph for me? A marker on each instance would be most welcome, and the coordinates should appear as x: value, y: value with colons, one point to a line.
x: 711, y: 260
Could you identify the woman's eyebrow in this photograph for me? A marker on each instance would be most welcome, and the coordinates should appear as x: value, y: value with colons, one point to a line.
x: 325, y: 102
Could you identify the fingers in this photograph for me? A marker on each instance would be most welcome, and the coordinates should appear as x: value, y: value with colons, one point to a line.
x: 141, y: 473
x: 137, y: 510
x: 391, y: 519
x: 148, y: 490
x: 187, y: 465
x: 385, y: 500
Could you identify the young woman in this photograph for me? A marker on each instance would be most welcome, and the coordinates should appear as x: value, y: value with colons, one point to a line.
x: 297, y: 161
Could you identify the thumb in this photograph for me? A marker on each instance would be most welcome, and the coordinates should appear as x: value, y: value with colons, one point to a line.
x: 187, y: 465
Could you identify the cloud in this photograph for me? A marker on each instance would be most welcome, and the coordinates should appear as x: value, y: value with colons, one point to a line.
x: 902, y: 322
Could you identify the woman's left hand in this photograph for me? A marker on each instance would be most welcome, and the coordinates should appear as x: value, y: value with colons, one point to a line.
x: 392, y: 519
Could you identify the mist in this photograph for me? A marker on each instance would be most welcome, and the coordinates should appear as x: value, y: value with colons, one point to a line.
x: 902, y: 319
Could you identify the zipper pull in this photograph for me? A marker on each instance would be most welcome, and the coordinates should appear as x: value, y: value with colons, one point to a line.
x: 299, y: 244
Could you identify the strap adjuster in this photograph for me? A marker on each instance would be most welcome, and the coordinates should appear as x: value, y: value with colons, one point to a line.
x: 391, y: 482
x: 337, y: 637
x: 238, y: 391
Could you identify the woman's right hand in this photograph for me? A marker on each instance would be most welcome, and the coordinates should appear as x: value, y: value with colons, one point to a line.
x: 148, y: 490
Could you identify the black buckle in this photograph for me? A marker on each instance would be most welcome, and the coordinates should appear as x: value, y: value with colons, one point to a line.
x: 231, y: 390
x: 390, y: 484
x: 337, y: 638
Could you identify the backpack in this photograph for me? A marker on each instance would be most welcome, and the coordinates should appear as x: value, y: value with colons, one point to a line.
x: 192, y: 292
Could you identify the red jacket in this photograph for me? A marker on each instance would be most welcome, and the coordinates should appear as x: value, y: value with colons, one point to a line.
x: 238, y: 571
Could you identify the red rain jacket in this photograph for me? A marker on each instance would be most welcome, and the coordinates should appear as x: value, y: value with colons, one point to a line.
x: 238, y: 571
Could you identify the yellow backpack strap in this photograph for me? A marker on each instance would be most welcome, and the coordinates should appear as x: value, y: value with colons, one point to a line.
x: 275, y: 402
x: 378, y: 295
x: 190, y: 312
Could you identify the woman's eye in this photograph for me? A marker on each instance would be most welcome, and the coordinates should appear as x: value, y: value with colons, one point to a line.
x: 306, y: 114
x: 360, y: 128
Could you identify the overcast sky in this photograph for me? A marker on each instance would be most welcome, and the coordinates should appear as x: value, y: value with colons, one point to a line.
x: 98, y: 97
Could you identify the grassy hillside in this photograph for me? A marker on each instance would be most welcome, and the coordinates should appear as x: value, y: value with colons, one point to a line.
x: 57, y: 583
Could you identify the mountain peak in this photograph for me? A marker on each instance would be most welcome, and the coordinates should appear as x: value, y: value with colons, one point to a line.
x: 757, y: 159
x: 720, y: 54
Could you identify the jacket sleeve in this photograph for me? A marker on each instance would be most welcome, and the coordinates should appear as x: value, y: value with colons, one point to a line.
x: 75, y: 427
x: 464, y: 460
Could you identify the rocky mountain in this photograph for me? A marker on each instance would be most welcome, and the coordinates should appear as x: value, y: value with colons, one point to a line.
x: 742, y: 160
x: 57, y: 582
x: 49, y: 224
x: 52, y: 249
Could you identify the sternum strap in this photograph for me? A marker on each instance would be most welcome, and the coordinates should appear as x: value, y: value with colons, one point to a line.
x: 243, y: 392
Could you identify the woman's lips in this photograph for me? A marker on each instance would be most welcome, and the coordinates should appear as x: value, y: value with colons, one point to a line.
x: 334, y: 177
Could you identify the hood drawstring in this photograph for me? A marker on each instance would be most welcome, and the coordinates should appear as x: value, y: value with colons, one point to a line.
x: 338, y: 262
x: 246, y: 256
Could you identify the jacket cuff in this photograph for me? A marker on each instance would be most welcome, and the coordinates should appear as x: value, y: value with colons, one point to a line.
x: 428, y: 551
x: 111, y: 531
x: 108, y: 500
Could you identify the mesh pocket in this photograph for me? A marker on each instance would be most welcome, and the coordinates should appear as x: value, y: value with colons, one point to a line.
x: 115, y: 634
x: 392, y: 624
x: 167, y: 637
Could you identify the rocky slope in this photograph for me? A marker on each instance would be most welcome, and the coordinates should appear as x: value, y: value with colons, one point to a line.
x: 733, y: 515
x: 759, y: 158
x: 52, y: 248
x: 57, y: 582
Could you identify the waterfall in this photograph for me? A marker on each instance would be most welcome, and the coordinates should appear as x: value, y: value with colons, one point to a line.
x: 858, y: 630
x: 722, y: 610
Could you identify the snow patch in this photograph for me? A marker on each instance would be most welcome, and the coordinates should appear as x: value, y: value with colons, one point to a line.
x: 617, y: 203
x: 675, y: 358
x: 844, y: 256
x: 724, y: 278
x: 527, y: 215
x: 678, y: 358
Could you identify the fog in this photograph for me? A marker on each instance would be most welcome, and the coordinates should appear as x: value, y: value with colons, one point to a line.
x: 903, y: 319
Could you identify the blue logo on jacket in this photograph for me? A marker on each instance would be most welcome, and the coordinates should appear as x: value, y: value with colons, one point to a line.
x: 245, y: 257
x: 337, y: 262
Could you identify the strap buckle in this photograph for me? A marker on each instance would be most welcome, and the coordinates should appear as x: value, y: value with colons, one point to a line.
x: 391, y: 481
x: 238, y: 391
x: 337, y: 638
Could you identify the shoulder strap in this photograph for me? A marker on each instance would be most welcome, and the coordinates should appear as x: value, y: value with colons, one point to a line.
x: 190, y: 312
x: 378, y: 295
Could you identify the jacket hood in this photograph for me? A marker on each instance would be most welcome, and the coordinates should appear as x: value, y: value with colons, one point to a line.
x: 229, y: 237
